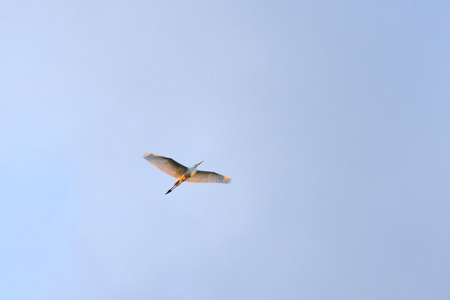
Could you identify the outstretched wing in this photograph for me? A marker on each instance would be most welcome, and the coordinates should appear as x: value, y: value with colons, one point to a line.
x: 165, y: 164
x: 208, y: 177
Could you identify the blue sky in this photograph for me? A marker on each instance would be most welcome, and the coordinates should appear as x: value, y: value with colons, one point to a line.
x: 331, y: 117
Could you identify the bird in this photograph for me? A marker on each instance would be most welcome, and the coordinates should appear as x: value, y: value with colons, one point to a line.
x: 182, y: 173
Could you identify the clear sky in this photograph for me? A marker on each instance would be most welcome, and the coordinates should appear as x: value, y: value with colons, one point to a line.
x: 331, y: 117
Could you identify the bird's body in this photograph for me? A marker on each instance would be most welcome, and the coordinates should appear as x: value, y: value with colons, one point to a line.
x: 182, y: 173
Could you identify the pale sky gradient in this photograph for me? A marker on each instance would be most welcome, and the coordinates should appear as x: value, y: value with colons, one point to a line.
x: 331, y: 117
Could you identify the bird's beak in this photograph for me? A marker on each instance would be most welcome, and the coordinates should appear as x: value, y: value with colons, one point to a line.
x: 199, y: 163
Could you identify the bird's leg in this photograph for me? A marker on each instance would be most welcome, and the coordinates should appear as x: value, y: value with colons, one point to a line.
x: 176, y: 184
x: 171, y: 189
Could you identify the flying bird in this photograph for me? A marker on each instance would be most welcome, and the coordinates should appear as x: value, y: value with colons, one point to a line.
x: 182, y: 173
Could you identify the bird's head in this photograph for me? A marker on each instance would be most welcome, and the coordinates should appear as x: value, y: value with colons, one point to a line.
x: 198, y: 164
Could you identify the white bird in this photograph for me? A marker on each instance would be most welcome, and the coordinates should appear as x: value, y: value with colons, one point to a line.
x: 182, y: 173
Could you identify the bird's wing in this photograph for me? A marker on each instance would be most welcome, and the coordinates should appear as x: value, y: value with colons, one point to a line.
x: 166, y: 165
x: 208, y: 177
